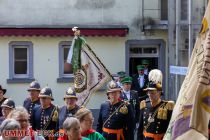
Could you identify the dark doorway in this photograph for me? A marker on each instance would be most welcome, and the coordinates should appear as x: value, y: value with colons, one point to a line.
x: 137, y: 61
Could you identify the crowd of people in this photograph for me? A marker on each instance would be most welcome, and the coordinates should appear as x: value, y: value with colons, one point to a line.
x: 133, y: 106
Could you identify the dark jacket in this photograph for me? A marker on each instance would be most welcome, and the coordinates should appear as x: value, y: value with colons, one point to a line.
x: 29, y: 106
x: 42, y: 119
x: 64, y: 113
x: 136, y: 86
x: 134, y: 101
x: 150, y: 122
x: 117, y: 120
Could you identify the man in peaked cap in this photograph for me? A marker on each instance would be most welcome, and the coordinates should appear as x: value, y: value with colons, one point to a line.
x: 7, y: 106
x: 155, y: 113
x: 2, y: 98
x: 145, y: 63
x: 140, y: 81
x: 33, y: 99
x: 70, y: 107
x: 116, y: 121
x: 120, y: 76
x: 131, y: 96
x: 45, y: 115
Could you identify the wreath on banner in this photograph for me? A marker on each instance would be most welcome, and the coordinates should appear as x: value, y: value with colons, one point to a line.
x: 80, y: 80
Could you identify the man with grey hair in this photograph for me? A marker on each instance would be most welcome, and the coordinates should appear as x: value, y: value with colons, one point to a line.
x: 8, y: 124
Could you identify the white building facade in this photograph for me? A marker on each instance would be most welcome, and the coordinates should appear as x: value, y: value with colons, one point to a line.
x: 35, y: 37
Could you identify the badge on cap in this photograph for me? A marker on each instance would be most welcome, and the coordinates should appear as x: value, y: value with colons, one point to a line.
x: 69, y: 91
x: 6, y: 101
x: 44, y: 90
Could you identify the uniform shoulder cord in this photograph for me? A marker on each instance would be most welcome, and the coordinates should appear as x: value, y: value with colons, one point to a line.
x: 153, y: 116
x: 48, y: 122
x: 113, y: 114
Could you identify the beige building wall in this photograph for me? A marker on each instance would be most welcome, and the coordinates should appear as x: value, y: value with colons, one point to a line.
x: 111, y: 51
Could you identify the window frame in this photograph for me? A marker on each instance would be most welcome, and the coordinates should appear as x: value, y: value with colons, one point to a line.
x: 20, y: 78
x: 63, y: 78
x: 163, y: 10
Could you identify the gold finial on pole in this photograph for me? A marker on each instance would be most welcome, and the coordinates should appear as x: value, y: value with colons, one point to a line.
x: 76, y: 31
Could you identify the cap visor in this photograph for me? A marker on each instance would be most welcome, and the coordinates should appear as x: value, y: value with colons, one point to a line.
x: 34, y: 89
x: 150, y: 89
x: 40, y: 96
x: 7, y: 106
x: 113, y: 90
x: 69, y: 97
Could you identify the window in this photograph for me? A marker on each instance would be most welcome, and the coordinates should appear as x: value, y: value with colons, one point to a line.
x: 143, y: 50
x: 64, y: 76
x: 20, y: 62
x: 164, y: 10
x: 184, y: 9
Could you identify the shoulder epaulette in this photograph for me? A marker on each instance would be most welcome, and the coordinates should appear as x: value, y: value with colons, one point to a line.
x: 170, y: 105
x: 123, y: 109
x: 143, y: 104
x: 55, y: 114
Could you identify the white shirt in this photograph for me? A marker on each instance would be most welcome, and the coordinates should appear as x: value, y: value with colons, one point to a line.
x: 146, y: 71
x: 127, y: 93
x: 141, y: 80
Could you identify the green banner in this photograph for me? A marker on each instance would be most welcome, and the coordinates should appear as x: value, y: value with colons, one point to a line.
x: 76, y: 58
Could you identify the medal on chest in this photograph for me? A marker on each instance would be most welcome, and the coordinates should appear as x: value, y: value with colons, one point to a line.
x: 46, y: 118
x: 150, y: 119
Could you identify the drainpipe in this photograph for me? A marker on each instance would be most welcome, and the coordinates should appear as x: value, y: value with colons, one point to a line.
x: 177, y: 43
x: 143, y: 15
x: 190, y: 29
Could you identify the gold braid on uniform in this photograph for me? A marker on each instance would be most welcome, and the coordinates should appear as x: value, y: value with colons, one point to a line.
x: 55, y: 115
x: 170, y: 105
x: 124, y: 109
x: 160, y: 113
x: 163, y: 111
x: 143, y: 104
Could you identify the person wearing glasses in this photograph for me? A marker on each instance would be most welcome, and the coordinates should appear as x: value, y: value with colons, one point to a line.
x: 7, y: 106
x: 86, y: 119
x: 45, y: 115
x: 21, y: 115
